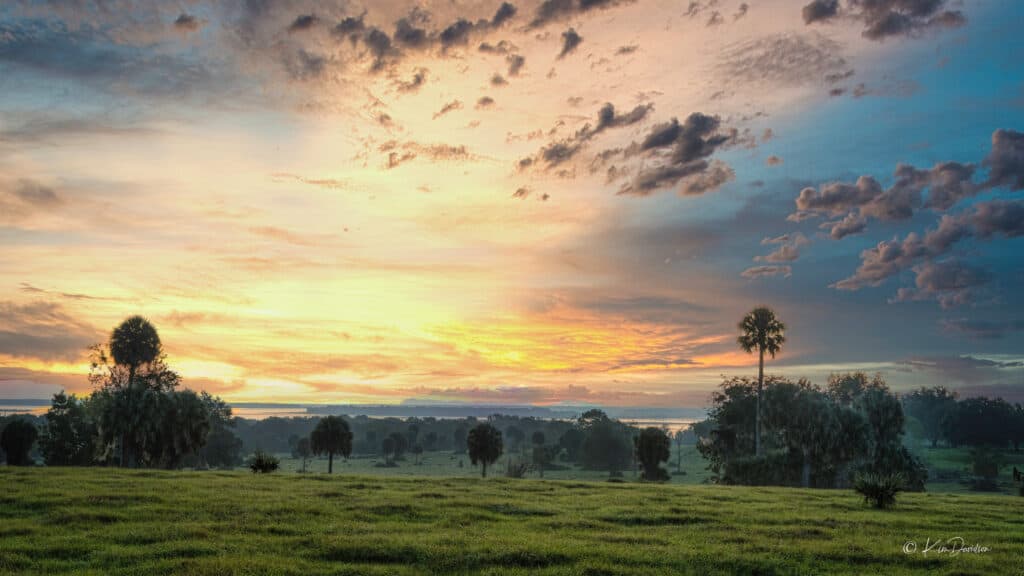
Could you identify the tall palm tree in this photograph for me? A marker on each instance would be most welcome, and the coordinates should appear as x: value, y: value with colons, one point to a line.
x: 134, y: 343
x: 761, y: 331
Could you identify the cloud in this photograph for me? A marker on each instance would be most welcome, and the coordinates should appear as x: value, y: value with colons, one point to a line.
x: 850, y: 224
x: 885, y: 18
x: 741, y: 11
x: 419, y: 78
x: 43, y: 330
x: 767, y: 271
x: 521, y: 193
x: 449, y: 107
x: 303, y: 65
x: 966, y: 369
x: 773, y: 160
x: 22, y: 198
x: 505, y: 13
x: 399, y: 153
x: 982, y: 329
x: 782, y: 59
x: 951, y: 283
x: 561, y: 151
x: 625, y: 50
x: 820, y: 10
x: 681, y: 150
x: 498, y: 80
x: 1005, y: 161
x: 984, y: 221
x: 570, y: 41
x: 303, y: 23
x: 484, y: 102
x: 788, y: 248
x: 187, y: 23
x: 515, y: 64
x: 560, y: 10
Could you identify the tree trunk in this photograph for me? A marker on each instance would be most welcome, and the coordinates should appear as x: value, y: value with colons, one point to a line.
x: 805, y: 476
x: 330, y: 462
x: 483, y: 469
x: 757, y: 418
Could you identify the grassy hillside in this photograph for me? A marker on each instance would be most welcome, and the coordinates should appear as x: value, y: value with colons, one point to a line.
x: 105, y: 521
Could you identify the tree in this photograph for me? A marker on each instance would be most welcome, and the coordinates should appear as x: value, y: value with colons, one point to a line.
x: 515, y: 437
x: 459, y: 439
x: 607, y: 444
x: 570, y: 442
x: 16, y: 440
x: 222, y: 449
x: 653, y: 447
x: 430, y: 440
x: 412, y: 434
x: 388, y: 448
x: 678, y: 438
x: 400, y: 445
x: 133, y: 343
x: 417, y: 452
x: 303, y: 449
x: 932, y: 407
x: 68, y: 437
x: 540, y: 452
x: 331, y: 436
x: 761, y: 331
x: 485, y: 446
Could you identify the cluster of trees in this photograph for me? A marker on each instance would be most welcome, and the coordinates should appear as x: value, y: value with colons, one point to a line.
x: 135, y: 416
x: 811, y: 437
x: 976, y: 422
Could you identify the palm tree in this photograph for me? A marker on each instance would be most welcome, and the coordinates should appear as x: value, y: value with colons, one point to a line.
x: 331, y: 436
x: 761, y: 331
x: 134, y: 343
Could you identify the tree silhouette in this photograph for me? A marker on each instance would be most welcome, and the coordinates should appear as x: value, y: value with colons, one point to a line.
x: 653, y: 447
x: 133, y: 343
x: 17, y: 439
x: 303, y: 450
x: 485, y: 446
x: 331, y: 436
x: 761, y: 331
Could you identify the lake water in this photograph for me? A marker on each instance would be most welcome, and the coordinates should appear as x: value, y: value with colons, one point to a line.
x: 260, y: 412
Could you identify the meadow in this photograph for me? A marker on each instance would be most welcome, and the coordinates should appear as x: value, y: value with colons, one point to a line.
x: 113, y: 521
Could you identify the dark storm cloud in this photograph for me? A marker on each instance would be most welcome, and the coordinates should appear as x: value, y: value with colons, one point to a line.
x: 570, y: 41
x: 886, y: 18
x: 43, y: 330
x: 502, y: 47
x: 505, y: 13
x: 409, y: 35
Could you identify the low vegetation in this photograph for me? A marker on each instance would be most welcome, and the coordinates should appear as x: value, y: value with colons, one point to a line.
x: 120, y: 522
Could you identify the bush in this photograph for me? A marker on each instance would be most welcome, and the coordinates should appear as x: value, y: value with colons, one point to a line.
x: 879, y: 489
x: 263, y: 463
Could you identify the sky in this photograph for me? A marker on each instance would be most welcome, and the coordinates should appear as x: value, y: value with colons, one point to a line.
x: 557, y: 202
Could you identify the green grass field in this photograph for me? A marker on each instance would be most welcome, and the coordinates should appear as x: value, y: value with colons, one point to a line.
x: 108, y: 521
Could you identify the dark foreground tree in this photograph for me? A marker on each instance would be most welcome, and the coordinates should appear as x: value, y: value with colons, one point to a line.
x: 17, y: 440
x: 485, y: 446
x: 653, y: 447
x: 331, y: 436
x: 68, y: 438
x: 761, y: 331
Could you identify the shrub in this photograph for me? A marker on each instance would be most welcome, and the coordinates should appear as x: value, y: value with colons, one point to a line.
x: 985, y: 464
x: 879, y: 489
x: 263, y: 463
